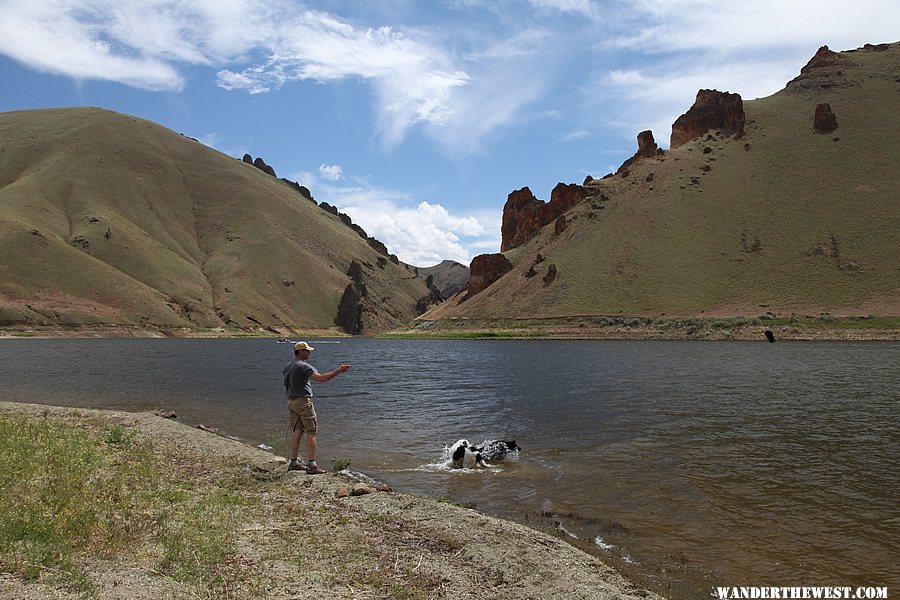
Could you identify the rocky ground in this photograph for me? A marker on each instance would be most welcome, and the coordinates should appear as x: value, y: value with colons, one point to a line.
x: 296, y: 537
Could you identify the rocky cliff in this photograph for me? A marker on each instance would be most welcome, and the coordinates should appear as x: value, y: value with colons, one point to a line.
x: 524, y: 215
x: 485, y: 270
x: 712, y: 111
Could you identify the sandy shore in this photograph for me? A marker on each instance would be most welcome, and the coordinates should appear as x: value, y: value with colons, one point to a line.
x: 298, y: 539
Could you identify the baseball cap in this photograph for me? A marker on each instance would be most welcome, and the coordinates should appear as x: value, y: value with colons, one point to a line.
x: 303, y: 346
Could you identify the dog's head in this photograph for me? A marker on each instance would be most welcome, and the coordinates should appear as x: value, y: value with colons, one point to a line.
x: 458, y: 450
x: 511, y: 445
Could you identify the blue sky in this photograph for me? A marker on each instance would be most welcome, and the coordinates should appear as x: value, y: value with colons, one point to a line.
x: 418, y: 118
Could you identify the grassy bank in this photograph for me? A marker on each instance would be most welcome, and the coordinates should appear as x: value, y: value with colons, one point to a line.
x: 101, y: 504
x: 101, y: 491
x: 822, y: 327
x: 105, y: 331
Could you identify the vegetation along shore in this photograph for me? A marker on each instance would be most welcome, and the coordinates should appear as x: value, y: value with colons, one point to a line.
x: 103, y: 504
x: 794, y: 327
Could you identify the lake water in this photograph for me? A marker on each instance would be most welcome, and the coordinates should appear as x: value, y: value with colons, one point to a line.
x: 687, y: 465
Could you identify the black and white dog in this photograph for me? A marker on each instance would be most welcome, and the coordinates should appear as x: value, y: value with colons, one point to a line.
x: 463, y: 455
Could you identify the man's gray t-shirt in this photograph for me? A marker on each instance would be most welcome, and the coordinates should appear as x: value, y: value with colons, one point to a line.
x: 296, y: 378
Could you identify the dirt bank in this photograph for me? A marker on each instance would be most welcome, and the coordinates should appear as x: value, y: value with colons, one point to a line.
x: 294, y: 538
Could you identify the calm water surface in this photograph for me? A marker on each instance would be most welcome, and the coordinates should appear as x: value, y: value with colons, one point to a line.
x: 687, y: 465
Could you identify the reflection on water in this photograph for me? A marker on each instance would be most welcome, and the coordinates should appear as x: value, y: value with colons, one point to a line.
x: 690, y: 464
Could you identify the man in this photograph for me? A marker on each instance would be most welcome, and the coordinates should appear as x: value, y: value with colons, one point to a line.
x: 297, y: 388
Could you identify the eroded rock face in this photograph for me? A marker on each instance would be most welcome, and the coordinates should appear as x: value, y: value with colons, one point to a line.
x: 824, y: 120
x: 260, y: 164
x: 524, y: 215
x: 712, y: 110
x: 824, y: 70
x: 647, y: 148
x: 550, y: 277
x: 824, y: 57
x: 485, y: 270
x: 350, y: 308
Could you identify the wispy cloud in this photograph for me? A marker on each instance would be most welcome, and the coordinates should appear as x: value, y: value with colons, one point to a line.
x: 677, y: 47
x: 667, y: 26
x: 64, y: 38
x: 582, y: 7
x: 459, y: 93
x: 579, y: 134
x: 331, y: 172
x: 413, y: 78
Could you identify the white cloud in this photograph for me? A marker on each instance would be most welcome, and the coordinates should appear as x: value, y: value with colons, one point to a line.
x: 506, y: 77
x: 63, y: 38
x: 413, y: 78
x: 331, y: 172
x: 419, y: 233
x: 676, y: 25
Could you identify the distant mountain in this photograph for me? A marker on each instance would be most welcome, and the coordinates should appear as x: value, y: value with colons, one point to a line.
x: 781, y: 205
x: 449, y: 277
x: 107, y: 219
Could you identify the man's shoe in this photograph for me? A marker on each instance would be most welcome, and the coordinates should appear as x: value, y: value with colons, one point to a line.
x: 315, y: 470
x: 296, y: 466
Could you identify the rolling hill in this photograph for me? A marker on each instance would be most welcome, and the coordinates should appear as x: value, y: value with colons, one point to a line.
x: 764, y: 215
x: 112, y: 220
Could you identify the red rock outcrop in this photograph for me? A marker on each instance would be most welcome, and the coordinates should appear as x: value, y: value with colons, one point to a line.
x: 824, y: 70
x: 647, y: 148
x: 824, y: 121
x: 524, y: 215
x: 712, y: 110
x: 485, y: 270
x: 822, y: 58
x: 550, y: 277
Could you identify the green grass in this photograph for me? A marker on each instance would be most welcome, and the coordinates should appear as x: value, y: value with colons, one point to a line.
x: 339, y: 464
x: 684, y: 326
x: 71, y: 496
x: 59, y: 498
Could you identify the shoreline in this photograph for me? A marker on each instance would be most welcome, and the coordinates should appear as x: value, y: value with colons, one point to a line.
x: 795, y: 328
x: 368, y: 544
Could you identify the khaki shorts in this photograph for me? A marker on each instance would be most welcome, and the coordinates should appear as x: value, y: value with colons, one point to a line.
x: 303, y: 414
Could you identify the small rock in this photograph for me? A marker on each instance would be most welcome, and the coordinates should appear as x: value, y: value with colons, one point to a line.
x: 361, y: 489
x: 551, y: 275
x: 342, y: 492
x: 383, y: 487
x: 165, y: 414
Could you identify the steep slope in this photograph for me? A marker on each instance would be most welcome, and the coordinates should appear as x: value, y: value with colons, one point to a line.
x: 780, y: 218
x: 448, y: 276
x: 110, y: 219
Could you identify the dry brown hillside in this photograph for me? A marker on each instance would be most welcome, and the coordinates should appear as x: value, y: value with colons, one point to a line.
x: 107, y: 219
x: 779, y: 219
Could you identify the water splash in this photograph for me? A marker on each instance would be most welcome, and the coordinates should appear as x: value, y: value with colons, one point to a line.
x: 445, y: 463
